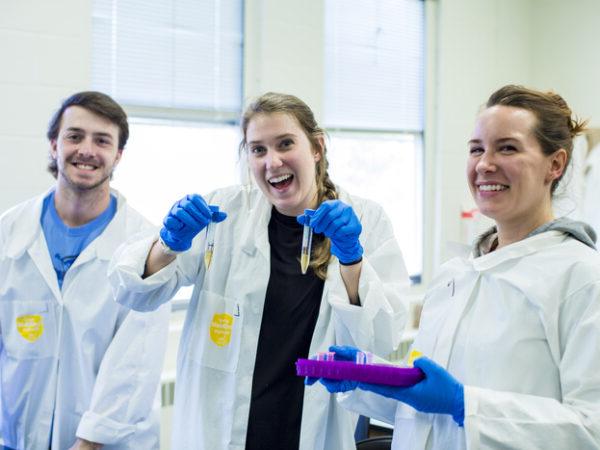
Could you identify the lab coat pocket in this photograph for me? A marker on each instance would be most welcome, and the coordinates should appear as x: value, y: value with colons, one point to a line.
x: 218, y: 334
x: 28, y: 329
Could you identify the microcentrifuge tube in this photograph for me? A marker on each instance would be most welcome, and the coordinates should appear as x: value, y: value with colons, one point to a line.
x: 306, y: 241
x: 210, y: 237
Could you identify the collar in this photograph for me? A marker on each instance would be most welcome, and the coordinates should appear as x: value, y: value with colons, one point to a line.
x: 27, y: 219
x: 518, y: 249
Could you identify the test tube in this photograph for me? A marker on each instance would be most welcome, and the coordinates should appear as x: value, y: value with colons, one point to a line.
x: 210, y: 237
x: 306, y: 241
x: 364, y: 358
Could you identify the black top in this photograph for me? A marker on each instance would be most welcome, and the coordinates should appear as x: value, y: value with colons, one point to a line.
x: 290, y: 313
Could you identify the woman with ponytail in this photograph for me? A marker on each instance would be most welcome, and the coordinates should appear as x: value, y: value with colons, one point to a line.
x: 510, y: 335
x: 253, y: 313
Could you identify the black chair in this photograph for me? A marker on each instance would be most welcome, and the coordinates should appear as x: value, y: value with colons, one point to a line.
x: 375, y: 443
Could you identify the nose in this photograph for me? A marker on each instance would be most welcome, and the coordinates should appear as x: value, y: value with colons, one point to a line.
x: 86, y: 147
x: 273, y: 160
x: 486, y: 163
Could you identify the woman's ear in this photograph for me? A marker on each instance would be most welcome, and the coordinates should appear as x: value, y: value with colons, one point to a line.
x: 558, y: 163
x: 320, y: 147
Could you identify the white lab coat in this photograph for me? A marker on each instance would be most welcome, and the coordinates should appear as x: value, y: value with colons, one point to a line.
x: 214, y: 382
x: 520, y: 327
x: 95, y: 364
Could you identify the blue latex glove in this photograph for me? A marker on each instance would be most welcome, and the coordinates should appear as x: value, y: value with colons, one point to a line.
x: 339, y: 223
x: 342, y: 353
x: 438, y: 393
x: 185, y: 220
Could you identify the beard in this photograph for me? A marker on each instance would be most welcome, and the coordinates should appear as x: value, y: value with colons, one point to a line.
x: 85, y: 185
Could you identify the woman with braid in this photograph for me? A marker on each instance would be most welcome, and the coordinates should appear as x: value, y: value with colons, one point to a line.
x: 253, y: 313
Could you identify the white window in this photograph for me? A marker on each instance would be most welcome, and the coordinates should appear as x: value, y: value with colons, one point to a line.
x: 165, y: 161
x: 388, y: 169
x: 181, y: 55
x: 176, y: 67
x: 374, y: 109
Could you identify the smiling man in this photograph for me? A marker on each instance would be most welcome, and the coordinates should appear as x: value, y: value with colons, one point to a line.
x: 77, y: 370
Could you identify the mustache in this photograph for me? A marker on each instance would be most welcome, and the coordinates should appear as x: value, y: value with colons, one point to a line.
x: 84, y: 160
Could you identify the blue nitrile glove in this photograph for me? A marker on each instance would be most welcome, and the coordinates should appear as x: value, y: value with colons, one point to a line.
x: 185, y: 220
x: 438, y: 393
x: 342, y: 353
x: 338, y: 222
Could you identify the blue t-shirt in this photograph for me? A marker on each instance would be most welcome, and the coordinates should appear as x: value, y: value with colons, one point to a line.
x: 66, y: 243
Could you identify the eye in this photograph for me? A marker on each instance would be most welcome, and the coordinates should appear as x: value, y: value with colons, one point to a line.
x: 508, y: 148
x: 103, y: 141
x: 286, y: 143
x: 73, y: 137
x: 475, y: 151
x: 258, y: 150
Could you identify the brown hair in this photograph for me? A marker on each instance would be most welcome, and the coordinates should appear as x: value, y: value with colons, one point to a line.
x: 271, y: 103
x: 555, y: 128
x: 96, y: 102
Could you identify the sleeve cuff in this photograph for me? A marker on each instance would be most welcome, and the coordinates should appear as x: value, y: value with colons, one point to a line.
x: 103, y: 430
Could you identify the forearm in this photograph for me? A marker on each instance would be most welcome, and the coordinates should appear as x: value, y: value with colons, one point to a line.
x: 158, y: 258
x: 351, y: 277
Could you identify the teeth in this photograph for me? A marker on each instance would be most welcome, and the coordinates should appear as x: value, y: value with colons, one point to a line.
x: 492, y: 187
x: 280, y: 178
x: 85, y: 166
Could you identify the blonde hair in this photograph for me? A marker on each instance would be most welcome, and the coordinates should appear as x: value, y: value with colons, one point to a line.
x: 272, y: 103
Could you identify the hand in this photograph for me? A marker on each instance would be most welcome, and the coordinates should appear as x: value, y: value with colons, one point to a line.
x: 82, y: 444
x: 185, y: 220
x: 342, y: 353
x: 338, y: 222
x: 438, y: 393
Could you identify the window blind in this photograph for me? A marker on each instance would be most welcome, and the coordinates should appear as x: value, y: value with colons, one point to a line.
x: 374, y: 64
x: 176, y: 54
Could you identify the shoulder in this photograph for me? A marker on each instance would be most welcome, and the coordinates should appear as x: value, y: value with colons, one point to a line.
x: 27, y: 210
x: 129, y: 220
x: 362, y: 206
x: 233, y: 199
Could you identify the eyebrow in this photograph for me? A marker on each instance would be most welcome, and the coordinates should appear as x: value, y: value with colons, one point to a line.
x: 281, y: 136
x: 497, y: 141
x: 96, y: 133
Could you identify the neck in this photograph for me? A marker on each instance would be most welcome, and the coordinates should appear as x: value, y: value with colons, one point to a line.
x: 78, y: 207
x: 518, y: 229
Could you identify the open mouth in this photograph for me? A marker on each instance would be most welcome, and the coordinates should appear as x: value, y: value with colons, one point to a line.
x: 492, y: 187
x: 282, y: 181
x: 84, y: 166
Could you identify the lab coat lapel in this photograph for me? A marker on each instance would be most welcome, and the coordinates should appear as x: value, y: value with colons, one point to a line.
x: 461, y: 291
x: 30, y: 239
x: 38, y: 252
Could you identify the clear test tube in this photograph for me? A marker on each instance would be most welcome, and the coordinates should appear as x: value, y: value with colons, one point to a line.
x: 306, y: 241
x: 364, y: 358
x: 210, y: 237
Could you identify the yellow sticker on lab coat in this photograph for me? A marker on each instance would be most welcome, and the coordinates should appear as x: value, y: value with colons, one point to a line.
x: 220, y: 329
x: 30, y: 327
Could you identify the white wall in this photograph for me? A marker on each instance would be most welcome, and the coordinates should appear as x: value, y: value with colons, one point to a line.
x: 44, y: 57
x: 566, y: 52
x: 480, y: 45
x: 284, y: 51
